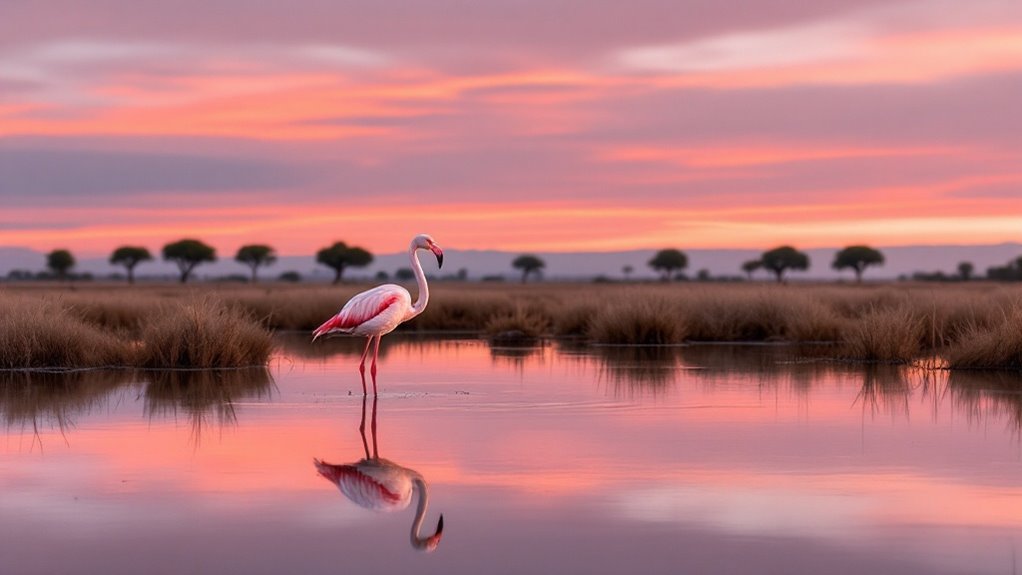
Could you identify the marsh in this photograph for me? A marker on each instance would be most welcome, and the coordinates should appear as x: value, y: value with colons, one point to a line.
x: 555, y: 458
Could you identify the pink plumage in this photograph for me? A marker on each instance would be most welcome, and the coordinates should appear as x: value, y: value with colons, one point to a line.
x: 369, y: 484
x: 377, y: 312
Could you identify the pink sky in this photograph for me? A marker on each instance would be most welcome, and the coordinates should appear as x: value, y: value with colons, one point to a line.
x: 518, y: 125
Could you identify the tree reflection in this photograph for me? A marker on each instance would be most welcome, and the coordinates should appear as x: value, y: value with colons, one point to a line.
x: 379, y: 484
x: 205, y: 396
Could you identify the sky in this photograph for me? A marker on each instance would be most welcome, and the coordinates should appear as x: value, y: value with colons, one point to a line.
x: 510, y: 124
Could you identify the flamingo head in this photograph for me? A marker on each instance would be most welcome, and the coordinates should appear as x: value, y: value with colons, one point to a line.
x: 432, y: 542
x: 425, y: 242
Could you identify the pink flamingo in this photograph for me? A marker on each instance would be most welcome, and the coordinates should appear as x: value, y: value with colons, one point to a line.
x: 382, y: 485
x: 376, y: 312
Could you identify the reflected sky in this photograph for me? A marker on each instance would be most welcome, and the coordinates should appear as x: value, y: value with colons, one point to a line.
x: 556, y: 459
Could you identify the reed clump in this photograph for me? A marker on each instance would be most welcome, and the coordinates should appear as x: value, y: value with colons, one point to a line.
x: 39, y: 333
x: 523, y: 325
x: 994, y: 345
x: 635, y: 321
x: 203, y: 334
x: 889, y: 336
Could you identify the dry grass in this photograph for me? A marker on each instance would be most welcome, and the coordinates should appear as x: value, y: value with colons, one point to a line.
x: 639, y: 321
x: 525, y: 324
x: 973, y: 325
x: 989, y: 345
x: 202, y: 334
x: 46, y: 332
x: 37, y: 333
x: 891, y: 336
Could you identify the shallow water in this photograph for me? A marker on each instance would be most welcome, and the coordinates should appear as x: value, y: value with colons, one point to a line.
x: 703, y: 459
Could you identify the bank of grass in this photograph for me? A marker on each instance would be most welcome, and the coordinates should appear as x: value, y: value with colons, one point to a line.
x: 202, y: 334
x: 46, y: 331
x: 975, y: 325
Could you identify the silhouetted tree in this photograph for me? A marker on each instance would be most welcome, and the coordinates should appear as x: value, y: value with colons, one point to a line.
x: 779, y: 260
x: 669, y: 261
x: 60, y: 261
x: 703, y: 275
x: 404, y: 274
x: 290, y: 276
x: 965, y: 270
x: 627, y: 270
x: 858, y: 258
x: 339, y: 257
x: 529, y: 264
x: 187, y: 254
x: 751, y: 266
x: 1010, y: 272
x: 129, y: 257
x: 255, y: 256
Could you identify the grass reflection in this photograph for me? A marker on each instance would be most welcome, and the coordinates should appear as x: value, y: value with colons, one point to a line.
x: 638, y: 368
x: 885, y: 388
x: 985, y: 394
x: 206, y: 397
x: 40, y: 399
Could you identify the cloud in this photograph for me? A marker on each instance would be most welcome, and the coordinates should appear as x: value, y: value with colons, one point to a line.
x: 903, y: 44
x: 758, y: 49
x: 41, y: 176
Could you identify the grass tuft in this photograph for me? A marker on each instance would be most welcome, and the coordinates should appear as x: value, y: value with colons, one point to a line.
x: 638, y: 321
x: 523, y: 325
x: 889, y: 336
x: 38, y: 333
x: 998, y: 344
x: 203, y: 334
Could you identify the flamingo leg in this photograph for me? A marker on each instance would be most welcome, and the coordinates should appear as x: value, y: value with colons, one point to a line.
x: 362, y: 365
x: 362, y: 426
x: 376, y: 451
x: 372, y: 370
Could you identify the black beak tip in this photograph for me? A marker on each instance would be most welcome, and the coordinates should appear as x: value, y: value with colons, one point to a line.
x: 440, y: 525
x: 440, y: 260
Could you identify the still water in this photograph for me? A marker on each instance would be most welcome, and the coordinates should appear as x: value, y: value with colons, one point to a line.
x: 702, y: 459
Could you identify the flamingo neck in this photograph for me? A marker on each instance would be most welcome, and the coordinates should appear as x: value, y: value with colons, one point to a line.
x: 420, y: 279
x: 420, y: 512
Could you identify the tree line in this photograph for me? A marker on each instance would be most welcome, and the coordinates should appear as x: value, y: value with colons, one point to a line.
x: 189, y: 253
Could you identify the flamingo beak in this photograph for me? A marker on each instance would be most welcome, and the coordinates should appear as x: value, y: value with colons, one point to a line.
x: 433, y: 542
x: 439, y: 253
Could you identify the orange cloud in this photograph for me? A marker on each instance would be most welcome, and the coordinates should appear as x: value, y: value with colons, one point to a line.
x: 717, y: 157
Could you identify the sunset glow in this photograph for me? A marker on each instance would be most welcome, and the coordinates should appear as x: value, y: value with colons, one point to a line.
x: 887, y: 124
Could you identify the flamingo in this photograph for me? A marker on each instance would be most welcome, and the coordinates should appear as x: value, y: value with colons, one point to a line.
x: 382, y: 485
x: 376, y: 312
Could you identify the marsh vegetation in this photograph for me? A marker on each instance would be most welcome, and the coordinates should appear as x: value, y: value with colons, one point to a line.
x: 968, y: 325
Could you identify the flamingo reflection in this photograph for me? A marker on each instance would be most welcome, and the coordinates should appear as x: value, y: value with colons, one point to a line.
x: 382, y: 485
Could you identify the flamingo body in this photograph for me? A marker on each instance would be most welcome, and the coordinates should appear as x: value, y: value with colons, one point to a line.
x: 377, y: 312
x: 373, y: 312
x: 379, y: 485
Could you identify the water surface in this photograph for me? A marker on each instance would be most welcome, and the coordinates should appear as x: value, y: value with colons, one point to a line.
x: 555, y: 459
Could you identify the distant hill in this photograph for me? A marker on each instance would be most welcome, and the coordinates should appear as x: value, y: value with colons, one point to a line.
x: 559, y: 265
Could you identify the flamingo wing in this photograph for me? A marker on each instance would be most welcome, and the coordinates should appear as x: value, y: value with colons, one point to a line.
x: 362, y: 488
x: 386, y: 304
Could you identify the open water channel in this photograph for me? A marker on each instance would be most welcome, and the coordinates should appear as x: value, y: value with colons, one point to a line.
x: 700, y: 459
